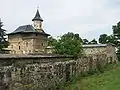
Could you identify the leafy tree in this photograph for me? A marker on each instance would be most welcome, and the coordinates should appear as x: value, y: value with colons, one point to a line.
x: 85, y: 41
x: 103, y: 39
x: 78, y: 37
x: 93, y: 42
x: 69, y: 44
x: 116, y: 34
x: 111, y: 39
x: 51, y: 41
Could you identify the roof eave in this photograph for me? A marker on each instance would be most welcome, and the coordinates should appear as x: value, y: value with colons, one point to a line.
x: 37, y: 19
x: 28, y: 32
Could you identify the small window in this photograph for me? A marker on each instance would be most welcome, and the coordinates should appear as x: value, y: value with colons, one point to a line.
x: 19, y: 47
x: 42, y: 44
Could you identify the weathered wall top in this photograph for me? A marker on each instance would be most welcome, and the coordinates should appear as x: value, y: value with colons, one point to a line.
x: 25, y: 56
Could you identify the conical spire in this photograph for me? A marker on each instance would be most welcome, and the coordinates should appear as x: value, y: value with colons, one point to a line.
x: 37, y: 16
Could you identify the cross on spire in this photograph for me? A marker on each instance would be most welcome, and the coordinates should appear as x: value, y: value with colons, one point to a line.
x: 38, y: 7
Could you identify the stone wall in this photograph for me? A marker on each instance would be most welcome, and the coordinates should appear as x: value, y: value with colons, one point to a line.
x: 92, y: 49
x: 27, y: 43
x: 107, y: 49
x: 41, y: 72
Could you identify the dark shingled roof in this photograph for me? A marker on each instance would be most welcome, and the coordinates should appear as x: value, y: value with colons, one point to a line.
x: 27, y: 29
x: 37, y: 17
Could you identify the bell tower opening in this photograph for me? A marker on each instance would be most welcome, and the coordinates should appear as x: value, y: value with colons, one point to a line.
x: 37, y: 22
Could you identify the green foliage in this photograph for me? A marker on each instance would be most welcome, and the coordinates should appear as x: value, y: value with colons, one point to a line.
x: 116, y: 34
x: 116, y: 30
x: 104, y: 39
x: 85, y: 41
x: 3, y: 45
x: 2, y: 33
x: 93, y: 42
x: 69, y: 44
x: 113, y: 39
x: 118, y: 53
x: 51, y: 41
x: 3, y: 42
x: 108, y: 80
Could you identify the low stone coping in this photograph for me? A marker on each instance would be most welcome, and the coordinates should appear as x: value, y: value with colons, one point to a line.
x: 25, y: 56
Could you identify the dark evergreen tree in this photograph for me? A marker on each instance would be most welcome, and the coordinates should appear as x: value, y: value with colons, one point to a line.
x: 2, y: 33
x: 3, y: 42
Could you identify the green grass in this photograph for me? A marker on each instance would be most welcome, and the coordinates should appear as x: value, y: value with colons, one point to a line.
x: 109, y: 80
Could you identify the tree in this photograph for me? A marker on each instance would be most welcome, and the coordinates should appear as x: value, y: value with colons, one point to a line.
x: 69, y: 44
x: 2, y: 33
x: 103, y: 39
x: 3, y: 42
x: 111, y: 39
x: 85, y: 41
x: 93, y: 42
x: 116, y: 34
x: 51, y: 41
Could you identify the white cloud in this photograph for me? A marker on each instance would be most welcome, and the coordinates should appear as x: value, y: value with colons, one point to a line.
x: 86, y: 17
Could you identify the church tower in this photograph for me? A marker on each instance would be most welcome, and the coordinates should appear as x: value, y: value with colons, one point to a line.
x: 37, y: 22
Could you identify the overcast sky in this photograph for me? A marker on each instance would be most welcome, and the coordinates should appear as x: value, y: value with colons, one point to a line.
x: 89, y: 18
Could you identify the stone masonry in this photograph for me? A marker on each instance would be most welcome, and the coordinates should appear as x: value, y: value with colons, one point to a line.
x: 39, y: 72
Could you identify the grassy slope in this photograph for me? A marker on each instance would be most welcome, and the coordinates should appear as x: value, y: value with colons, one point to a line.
x: 109, y: 80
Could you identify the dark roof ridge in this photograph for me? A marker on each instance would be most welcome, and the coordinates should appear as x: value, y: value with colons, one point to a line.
x: 27, y: 29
